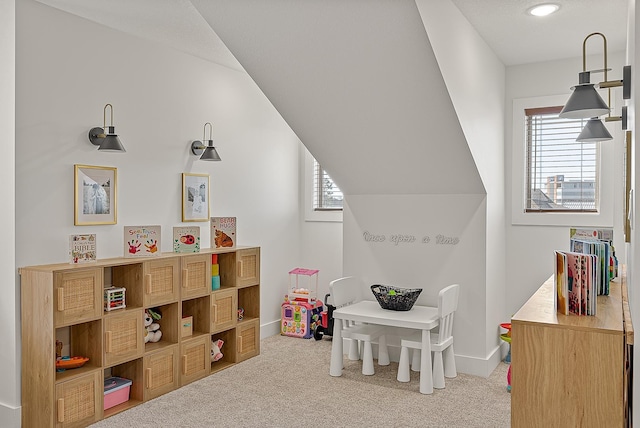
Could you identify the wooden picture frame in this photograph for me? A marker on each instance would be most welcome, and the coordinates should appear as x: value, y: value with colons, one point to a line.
x: 195, y: 197
x: 627, y: 187
x: 95, y: 195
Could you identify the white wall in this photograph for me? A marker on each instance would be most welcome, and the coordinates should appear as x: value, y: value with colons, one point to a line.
x: 320, y: 231
x: 475, y: 80
x: 529, y: 259
x: 161, y: 99
x: 9, y: 327
x: 445, y: 245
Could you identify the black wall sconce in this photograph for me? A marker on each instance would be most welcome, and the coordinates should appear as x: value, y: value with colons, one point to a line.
x: 206, y: 152
x: 106, y: 141
x: 586, y: 103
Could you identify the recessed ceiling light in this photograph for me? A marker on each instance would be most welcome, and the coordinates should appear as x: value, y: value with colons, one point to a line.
x: 543, y: 9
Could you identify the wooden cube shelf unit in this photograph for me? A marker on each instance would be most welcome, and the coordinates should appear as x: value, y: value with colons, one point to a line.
x: 66, y: 302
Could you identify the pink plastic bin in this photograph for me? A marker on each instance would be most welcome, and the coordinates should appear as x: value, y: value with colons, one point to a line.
x: 116, y: 391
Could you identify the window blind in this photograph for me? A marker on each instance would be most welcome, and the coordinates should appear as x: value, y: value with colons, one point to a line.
x: 562, y: 173
x: 326, y: 195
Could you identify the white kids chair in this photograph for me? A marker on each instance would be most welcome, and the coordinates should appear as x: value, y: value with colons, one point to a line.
x: 347, y: 291
x: 444, y: 364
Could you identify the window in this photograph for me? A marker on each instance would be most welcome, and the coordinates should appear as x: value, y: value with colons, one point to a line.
x: 528, y: 184
x: 326, y: 194
x: 561, y: 173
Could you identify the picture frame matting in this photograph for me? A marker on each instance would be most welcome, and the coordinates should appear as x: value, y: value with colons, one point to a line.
x: 95, y: 195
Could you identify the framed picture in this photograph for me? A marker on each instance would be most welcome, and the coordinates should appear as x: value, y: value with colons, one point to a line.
x: 627, y: 187
x: 195, y: 197
x: 95, y: 195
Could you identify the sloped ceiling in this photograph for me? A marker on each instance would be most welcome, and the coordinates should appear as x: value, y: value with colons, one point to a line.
x: 175, y: 23
x: 359, y: 84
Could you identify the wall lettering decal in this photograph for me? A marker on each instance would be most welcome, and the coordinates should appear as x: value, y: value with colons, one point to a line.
x: 401, y: 239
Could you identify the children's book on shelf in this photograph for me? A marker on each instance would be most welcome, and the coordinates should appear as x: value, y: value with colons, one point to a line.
x: 82, y: 248
x: 576, y: 283
x: 574, y: 270
x: 142, y: 241
x: 562, y: 286
x: 603, y: 234
x: 596, y: 242
x: 186, y: 239
x: 223, y: 232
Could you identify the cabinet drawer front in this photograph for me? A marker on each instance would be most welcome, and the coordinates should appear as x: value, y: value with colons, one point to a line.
x: 160, y: 372
x: 196, y: 276
x: 195, y: 359
x: 78, y: 401
x: 224, y: 309
x: 248, y: 267
x: 248, y: 339
x: 77, y: 296
x: 123, y: 337
x: 161, y: 282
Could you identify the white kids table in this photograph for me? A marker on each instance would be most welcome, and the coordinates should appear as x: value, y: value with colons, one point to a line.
x: 422, y: 318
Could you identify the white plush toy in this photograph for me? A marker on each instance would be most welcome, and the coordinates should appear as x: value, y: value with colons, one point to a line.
x: 216, y: 345
x: 152, y: 328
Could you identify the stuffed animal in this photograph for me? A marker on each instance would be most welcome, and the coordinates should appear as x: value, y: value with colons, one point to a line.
x: 216, y: 345
x: 152, y: 328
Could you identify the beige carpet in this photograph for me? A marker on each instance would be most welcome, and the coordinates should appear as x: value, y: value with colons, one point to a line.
x: 288, y: 385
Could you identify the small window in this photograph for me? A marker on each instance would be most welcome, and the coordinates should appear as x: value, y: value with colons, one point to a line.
x: 561, y: 173
x: 326, y: 195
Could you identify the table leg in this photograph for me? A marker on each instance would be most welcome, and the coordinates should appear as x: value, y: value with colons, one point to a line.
x: 426, y: 375
x: 335, y: 368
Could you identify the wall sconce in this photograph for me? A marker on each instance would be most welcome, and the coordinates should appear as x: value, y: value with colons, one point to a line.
x: 208, y: 152
x: 108, y: 142
x: 585, y: 102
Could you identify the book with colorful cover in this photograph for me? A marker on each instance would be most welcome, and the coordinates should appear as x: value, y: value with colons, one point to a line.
x: 186, y: 239
x: 574, y: 270
x: 82, y: 248
x: 223, y: 232
x: 576, y: 281
x: 593, y: 289
x: 602, y: 249
x: 560, y: 277
x: 604, y: 234
x: 142, y: 241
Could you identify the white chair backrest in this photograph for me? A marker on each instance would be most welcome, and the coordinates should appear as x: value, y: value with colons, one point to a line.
x: 447, y: 305
x: 345, y: 291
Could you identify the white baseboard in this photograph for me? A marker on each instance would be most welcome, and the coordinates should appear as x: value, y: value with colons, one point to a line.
x: 10, y: 416
x: 464, y: 364
x: 270, y: 329
x: 481, y: 366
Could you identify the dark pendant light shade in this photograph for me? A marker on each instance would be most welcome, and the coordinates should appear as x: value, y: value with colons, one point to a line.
x: 594, y: 130
x: 584, y: 102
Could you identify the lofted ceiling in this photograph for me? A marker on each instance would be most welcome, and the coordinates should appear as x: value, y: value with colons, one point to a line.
x: 515, y: 36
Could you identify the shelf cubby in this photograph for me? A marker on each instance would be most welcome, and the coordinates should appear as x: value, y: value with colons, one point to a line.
x: 200, y: 310
x: 131, y: 370
x: 228, y: 350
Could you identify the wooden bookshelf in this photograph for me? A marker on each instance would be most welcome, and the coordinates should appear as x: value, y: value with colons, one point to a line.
x: 66, y: 300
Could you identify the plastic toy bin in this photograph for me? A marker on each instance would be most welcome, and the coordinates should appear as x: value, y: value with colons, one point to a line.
x: 116, y: 391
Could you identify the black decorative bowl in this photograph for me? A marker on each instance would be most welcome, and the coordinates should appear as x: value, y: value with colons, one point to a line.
x: 395, y: 298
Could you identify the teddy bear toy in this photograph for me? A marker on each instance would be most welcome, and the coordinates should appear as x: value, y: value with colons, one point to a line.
x: 152, y: 328
x: 216, y: 345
